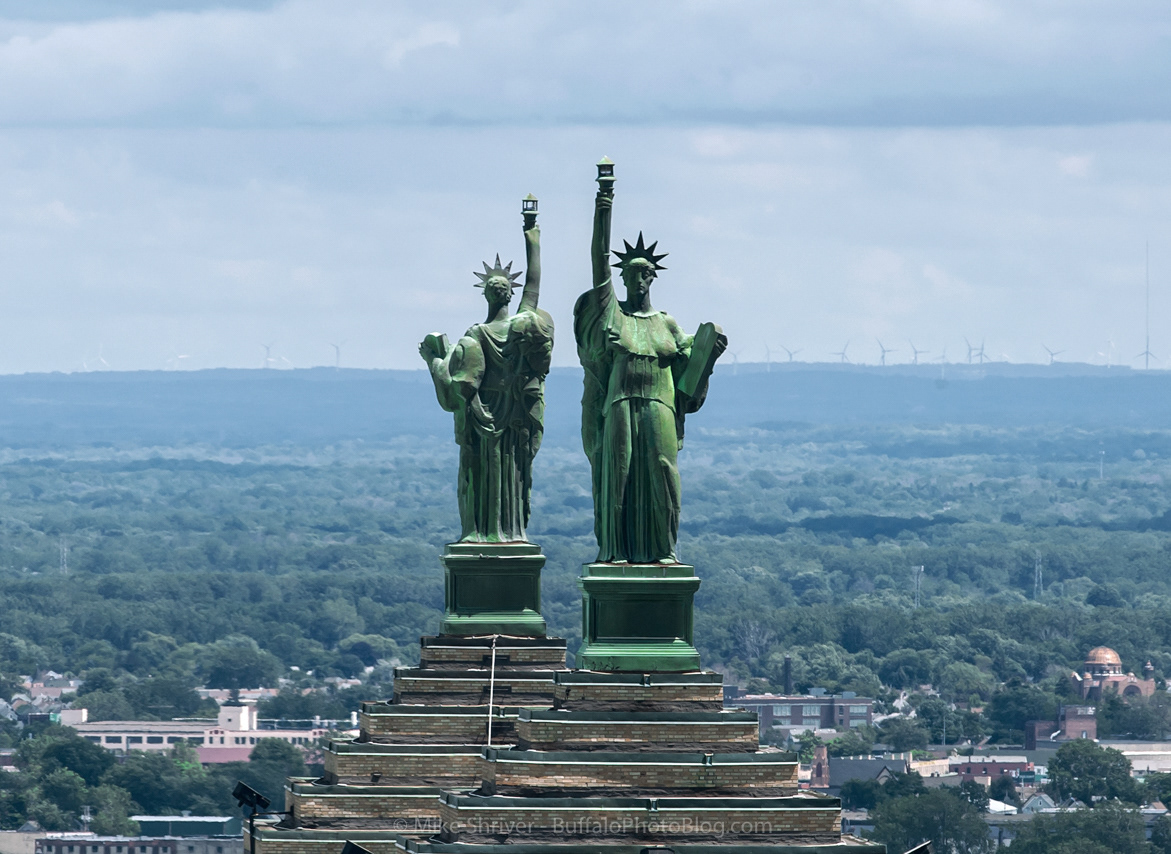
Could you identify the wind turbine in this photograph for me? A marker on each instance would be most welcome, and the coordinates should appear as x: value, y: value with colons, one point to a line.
x: 842, y: 353
x: 915, y: 352
x: 1053, y: 354
x: 1146, y: 355
x: 175, y: 359
x: 980, y: 352
x: 337, y: 356
x: 101, y: 359
x: 268, y: 359
x: 971, y: 349
x: 791, y: 353
x: 768, y: 359
x: 885, y: 350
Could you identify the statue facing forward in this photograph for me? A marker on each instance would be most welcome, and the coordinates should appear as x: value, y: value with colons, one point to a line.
x: 493, y: 379
x: 643, y: 375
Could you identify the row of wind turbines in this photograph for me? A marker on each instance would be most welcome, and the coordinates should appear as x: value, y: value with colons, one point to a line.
x: 976, y: 354
x: 176, y: 361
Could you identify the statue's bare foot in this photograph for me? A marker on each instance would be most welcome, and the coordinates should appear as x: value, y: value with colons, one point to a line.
x: 668, y: 559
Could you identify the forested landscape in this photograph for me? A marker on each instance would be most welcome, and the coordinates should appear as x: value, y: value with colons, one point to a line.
x: 150, y: 568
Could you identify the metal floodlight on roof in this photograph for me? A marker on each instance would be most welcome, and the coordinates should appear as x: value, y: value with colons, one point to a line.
x: 246, y: 796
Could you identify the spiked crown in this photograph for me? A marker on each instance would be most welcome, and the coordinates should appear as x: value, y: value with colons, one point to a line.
x: 640, y: 251
x: 497, y: 272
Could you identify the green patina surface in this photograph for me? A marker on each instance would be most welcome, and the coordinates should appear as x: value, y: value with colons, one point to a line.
x: 638, y: 618
x: 493, y: 381
x: 643, y: 375
x: 492, y: 589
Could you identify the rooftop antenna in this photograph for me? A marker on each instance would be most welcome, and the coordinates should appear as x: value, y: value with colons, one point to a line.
x: 885, y: 350
x: 1146, y: 355
x: 915, y: 352
x: 1053, y: 354
x: 790, y: 353
x: 842, y: 353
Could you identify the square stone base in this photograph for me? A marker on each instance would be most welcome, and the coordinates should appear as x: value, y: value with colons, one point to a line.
x: 638, y: 618
x: 492, y: 589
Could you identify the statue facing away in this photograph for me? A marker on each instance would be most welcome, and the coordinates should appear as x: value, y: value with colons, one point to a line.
x: 643, y: 375
x: 493, y: 379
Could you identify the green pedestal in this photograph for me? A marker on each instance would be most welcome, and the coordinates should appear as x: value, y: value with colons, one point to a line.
x: 492, y: 589
x: 638, y: 618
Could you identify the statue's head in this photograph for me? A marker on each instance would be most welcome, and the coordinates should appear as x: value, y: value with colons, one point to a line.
x: 498, y: 282
x: 639, y: 265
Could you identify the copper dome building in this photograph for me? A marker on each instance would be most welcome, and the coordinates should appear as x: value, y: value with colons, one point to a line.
x: 1102, y: 672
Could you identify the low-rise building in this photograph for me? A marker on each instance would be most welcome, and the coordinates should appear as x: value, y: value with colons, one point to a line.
x: 988, y: 767
x: 188, y: 825
x: 229, y: 738
x: 89, y: 843
x: 1072, y: 722
x: 801, y: 712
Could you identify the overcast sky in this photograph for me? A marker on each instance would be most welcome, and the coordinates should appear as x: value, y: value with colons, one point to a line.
x: 184, y: 182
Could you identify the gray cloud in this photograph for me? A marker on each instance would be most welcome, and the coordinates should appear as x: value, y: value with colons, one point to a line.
x: 196, y: 180
x: 832, y: 62
x: 151, y: 244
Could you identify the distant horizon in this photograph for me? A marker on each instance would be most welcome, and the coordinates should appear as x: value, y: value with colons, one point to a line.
x: 1060, y: 367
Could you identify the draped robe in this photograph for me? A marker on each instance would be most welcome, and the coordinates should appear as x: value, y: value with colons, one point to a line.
x: 493, y: 380
x: 632, y: 424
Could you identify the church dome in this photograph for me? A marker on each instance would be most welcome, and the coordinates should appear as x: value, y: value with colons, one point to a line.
x: 1102, y: 659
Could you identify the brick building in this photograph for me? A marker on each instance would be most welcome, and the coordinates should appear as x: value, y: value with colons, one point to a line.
x: 990, y: 767
x: 1072, y: 722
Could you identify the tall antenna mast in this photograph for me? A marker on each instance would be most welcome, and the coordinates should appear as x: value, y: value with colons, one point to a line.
x: 918, y: 581
x: 1038, y: 584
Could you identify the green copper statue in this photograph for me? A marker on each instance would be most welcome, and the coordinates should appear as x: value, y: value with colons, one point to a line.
x: 643, y: 375
x: 493, y: 379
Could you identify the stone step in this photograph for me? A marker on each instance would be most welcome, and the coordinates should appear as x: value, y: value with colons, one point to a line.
x: 472, y: 686
x: 392, y: 723
x: 458, y: 653
x: 703, y: 732
x: 806, y: 819
x: 314, y: 803
x: 365, y: 763
x: 272, y: 838
x: 584, y: 689
x: 506, y: 771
